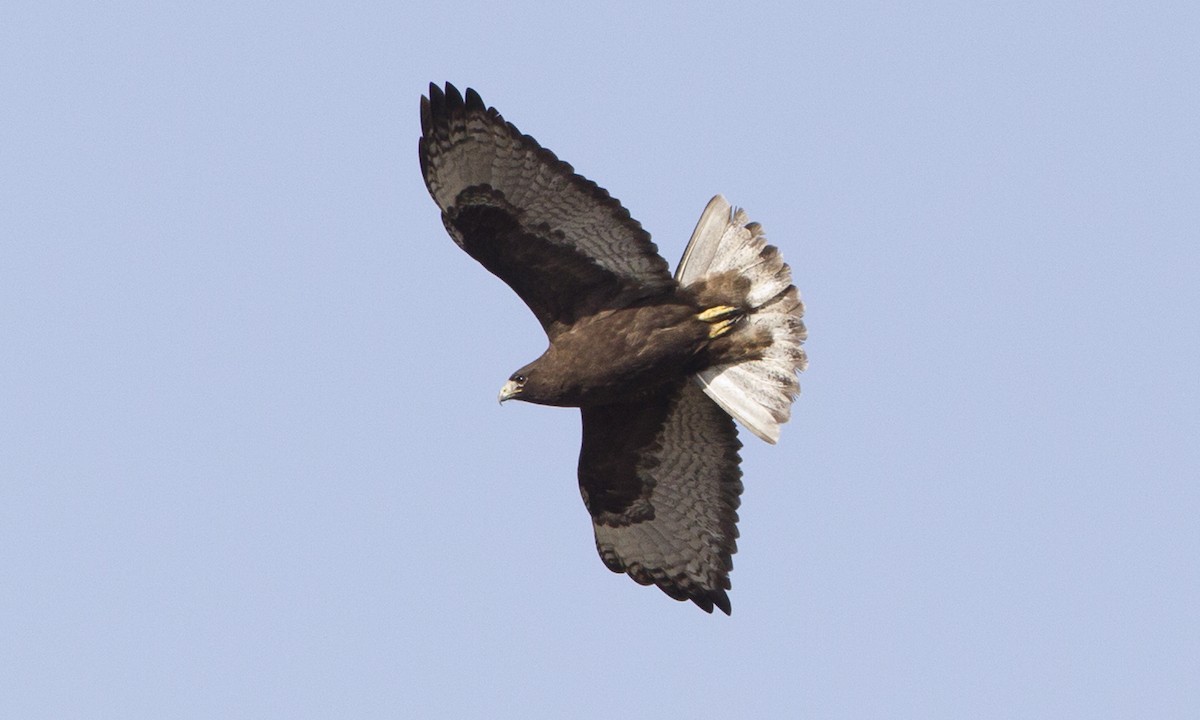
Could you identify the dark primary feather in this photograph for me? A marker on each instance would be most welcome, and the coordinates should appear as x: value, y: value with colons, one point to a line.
x: 661, y: 480
x: 561, y: 242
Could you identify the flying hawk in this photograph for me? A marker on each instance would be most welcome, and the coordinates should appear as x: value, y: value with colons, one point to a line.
x: 659, y: 365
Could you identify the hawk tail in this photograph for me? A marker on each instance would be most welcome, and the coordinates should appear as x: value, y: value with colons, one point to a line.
x: 728, y: 250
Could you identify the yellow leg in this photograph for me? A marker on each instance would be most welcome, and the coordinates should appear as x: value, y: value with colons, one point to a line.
x: 721, y: 327
x: 720, y: 312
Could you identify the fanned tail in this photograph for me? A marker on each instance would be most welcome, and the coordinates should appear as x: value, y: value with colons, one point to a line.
x: 725, y: 247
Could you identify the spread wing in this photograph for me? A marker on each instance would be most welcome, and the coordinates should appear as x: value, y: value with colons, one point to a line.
x: 662, y: 483
x: 562, y: 243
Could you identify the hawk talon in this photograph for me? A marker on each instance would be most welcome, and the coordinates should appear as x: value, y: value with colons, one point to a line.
x: 720, y: 312
x: 721, y: 327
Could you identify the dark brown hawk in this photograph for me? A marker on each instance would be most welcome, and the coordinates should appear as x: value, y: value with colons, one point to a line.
x: 658, y: 364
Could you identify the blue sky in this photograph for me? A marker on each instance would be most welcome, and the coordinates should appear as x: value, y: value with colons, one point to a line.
x: 251, y: 462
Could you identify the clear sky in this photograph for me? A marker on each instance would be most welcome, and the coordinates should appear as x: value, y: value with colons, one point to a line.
x: 251, y: 460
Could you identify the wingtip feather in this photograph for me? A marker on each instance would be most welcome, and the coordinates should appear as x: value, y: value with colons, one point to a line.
x: 721, y: 600
x: 454, y: 99
x: 426, y: 118
x: 474, y: 102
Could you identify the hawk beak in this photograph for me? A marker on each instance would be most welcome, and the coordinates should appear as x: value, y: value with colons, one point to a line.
x: 510, y: 390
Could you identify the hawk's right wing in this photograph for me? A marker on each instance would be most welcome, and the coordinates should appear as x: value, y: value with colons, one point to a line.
x: 662, y: 483
x: 560, y: 241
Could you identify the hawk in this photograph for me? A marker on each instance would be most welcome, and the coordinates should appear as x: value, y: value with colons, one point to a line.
x: 658, y: 364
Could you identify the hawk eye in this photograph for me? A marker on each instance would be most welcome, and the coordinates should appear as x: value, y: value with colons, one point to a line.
x: 520, y: 379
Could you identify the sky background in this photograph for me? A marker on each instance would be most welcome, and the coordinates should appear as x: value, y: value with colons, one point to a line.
x: 251, y: 460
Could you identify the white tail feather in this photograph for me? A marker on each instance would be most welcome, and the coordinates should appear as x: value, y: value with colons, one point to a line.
x: 758, y: 393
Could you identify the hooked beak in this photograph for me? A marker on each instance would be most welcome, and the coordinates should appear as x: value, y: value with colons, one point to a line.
x: 510, y: 390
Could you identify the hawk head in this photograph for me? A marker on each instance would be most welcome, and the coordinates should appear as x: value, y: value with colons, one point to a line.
x: 514, y: 387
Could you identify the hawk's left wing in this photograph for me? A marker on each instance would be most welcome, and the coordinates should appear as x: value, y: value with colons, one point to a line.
x: 661, y: 480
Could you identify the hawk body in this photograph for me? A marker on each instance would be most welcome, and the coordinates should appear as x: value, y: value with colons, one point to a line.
x: 658, y: 364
